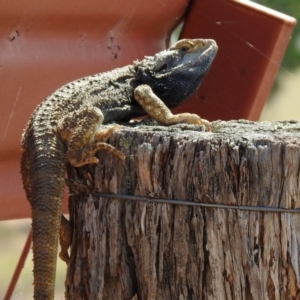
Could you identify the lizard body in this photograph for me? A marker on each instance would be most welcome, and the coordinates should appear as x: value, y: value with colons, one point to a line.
x: 66, y: 128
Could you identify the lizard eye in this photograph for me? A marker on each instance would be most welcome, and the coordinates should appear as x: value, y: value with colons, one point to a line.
x: 184, y: 48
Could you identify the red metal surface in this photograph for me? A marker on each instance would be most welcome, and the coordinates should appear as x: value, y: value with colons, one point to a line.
x: 47, y: 44
x: 252, y: 40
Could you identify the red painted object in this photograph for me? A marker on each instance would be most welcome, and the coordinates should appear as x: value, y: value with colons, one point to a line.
x: 47, y: 44
x: 252, y: 41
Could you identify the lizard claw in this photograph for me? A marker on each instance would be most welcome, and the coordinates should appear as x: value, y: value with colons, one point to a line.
x: 195, y: 119
x: 207, y: 124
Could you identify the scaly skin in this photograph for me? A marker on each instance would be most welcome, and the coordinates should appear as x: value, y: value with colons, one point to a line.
x: 66, y: 128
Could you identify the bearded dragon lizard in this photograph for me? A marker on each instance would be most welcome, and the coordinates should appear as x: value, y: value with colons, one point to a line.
x: 67, y: 128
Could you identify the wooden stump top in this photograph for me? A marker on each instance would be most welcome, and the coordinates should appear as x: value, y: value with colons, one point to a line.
x: 124, y: 249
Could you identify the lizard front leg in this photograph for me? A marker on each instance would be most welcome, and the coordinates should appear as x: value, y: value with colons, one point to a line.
x: 82, y: 133
x: 157, y: 109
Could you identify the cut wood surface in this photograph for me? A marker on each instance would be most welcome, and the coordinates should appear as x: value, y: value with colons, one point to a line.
x: 129, y: 249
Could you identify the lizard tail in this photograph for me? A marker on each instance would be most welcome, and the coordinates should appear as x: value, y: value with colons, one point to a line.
x: 43, y: 179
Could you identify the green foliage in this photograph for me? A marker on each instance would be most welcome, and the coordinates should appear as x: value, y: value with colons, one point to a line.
x: 291, y: 8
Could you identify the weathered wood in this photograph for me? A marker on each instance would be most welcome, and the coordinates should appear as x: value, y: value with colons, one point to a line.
x: 124, y: 249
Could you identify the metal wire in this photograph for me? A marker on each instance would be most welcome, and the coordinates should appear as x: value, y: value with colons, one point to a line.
x: 209, y: 205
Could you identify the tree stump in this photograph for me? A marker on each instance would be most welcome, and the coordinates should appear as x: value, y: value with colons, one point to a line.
x: 131, y: 249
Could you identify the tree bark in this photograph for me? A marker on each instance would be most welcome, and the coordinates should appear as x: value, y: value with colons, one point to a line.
x: 128, y: 249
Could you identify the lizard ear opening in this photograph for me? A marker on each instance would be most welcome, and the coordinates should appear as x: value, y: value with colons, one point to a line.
x: 161, y: 68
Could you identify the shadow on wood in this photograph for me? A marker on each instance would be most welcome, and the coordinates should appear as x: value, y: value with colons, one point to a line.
x: 124, y: 249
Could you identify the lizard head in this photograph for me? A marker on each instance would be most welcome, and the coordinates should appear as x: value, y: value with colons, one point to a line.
x: 176, y: 73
